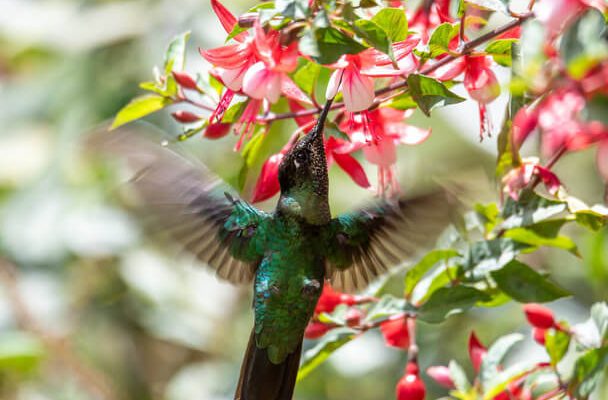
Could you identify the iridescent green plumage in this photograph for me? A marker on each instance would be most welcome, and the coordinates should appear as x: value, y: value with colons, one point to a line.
x: 288, y: 254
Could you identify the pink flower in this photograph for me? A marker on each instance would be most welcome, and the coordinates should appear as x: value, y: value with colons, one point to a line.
x: 346, y: 162
x: 441, y: 375
x: 557, y: 14
x: 519, y: 178
x: 354, y: 73
x: 377, y: 133
x: 426, y: 18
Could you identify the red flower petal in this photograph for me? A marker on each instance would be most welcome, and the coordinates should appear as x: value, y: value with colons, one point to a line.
x: 550, y: 180
x: 539, y: 316
x: 184, y: 80
x: 268, y: 181
x: 292, y: 91
x: 316, y: 329
x: 330, y: 299
x: 539, y: 335
x: 232, y: 56
x: 476, y: 351
x: 305, y: 120
x: 185, y: 117
x: 524, y: 123
x: 227, y: 19
x: 395, y: 332
x: 352, y: 167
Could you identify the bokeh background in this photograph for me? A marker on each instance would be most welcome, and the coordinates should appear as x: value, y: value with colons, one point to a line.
x: 92, y: 308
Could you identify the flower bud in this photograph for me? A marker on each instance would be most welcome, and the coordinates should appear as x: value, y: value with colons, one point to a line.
x: 395, y: 332
x: 185, y: 117
x: 539, y: 335
x: 353, y: 317
x: 476, y: 351
x: 316, y: 329
x: 539, y: 316
x: 268, y: 181
x: 410, y: 386
x: 441, y: 375
x: 217, y: 130
x: 330, y: 299
x: 184, y: 80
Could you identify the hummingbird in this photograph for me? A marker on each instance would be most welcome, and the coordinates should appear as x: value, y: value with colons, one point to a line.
x: 286, y: 255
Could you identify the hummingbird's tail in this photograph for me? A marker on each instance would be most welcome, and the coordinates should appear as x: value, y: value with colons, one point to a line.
x: 261, y: 379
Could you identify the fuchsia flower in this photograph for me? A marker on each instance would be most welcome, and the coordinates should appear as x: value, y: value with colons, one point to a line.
x: 377, y: 133
x: 426, y: 17
x: 477, y: 352
x: 557, y: 14
x: 395, y: 332
x: 441, y: 374
x: 354, y: 73
x: 519, y: 178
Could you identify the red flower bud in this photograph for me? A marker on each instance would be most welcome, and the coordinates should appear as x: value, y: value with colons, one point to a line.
x: 184, y: 80
x: 268, y: 181
x: 395, y: 332
x: 476, y: 351
x: 353, y: 317
x: 504, y: 395
x: 316, y: 329
x: 441, y: 375
x: 217, y: 130
x: 539, y: 335
x: 330, y: 299
x: 410, y: 386
x: 539, y: 316
x: 185, y: 117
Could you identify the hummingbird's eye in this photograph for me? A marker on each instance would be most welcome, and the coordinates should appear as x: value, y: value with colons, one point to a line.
x: 302, y: 156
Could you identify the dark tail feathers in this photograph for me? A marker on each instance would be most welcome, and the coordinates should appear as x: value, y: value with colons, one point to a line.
x: 262, y: 380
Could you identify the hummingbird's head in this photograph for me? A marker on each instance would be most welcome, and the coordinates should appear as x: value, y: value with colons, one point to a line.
x: 303, y: 176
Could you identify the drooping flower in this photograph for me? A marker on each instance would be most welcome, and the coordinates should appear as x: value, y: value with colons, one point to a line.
x: 477, y: 351
x: 354, y: 73
x: 377, y: 133
x: 428, y: 16
x: 395, y: 332
x: 267, y: 184
x: 519, y: 178
x: 410, y: 386
x: 346, y: 162
x: 330, y: 299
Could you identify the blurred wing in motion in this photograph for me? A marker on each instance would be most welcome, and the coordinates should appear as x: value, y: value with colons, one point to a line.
x: 364, y: 244
x: 189, y: 203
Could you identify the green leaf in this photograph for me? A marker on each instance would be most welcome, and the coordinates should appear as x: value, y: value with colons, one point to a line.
x: 252, y: 153
x: 416, y: 273
x: 490, y: 366
x: 331, y: 342
x: 327, y: 45
x: 486, y: 256
x: 591, y: 219
x: 441, y: 37
x: 294, y: 9
x: 599, y: 315
x: 331, y: 129
x: 402, y: 102
x: 20, y: 352
x: 529, y: 237
x: 394, y: 22
x: 595, y: 109
x: 588, y: 371
x: 234, y: 112
x: 373, y: 34
x: 139, y: 107
x: 492, y: 5
x: 525, y: 285
x: 429, y: 93
x: 447, y: 301
x: 488, y: 215
x: 556, y: 343
x: 387, y: 305
x: 583, y: 46
x: 432, y: 282
x: 175, y: 56
x: 154, y: 88
x: 500, y: 50
x: 306, y: 76
x: 528, y: 211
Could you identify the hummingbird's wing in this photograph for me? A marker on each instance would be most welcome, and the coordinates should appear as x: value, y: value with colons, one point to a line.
x: 364, y: 244
x: 188, y: 202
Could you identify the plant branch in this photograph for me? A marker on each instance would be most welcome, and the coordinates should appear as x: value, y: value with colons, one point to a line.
x: 466, y: 48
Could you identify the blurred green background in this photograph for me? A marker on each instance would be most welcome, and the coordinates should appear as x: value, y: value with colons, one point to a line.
x: 91, y: 308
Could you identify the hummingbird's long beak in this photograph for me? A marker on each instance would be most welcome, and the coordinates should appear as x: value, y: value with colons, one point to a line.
x: 318, y: 128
